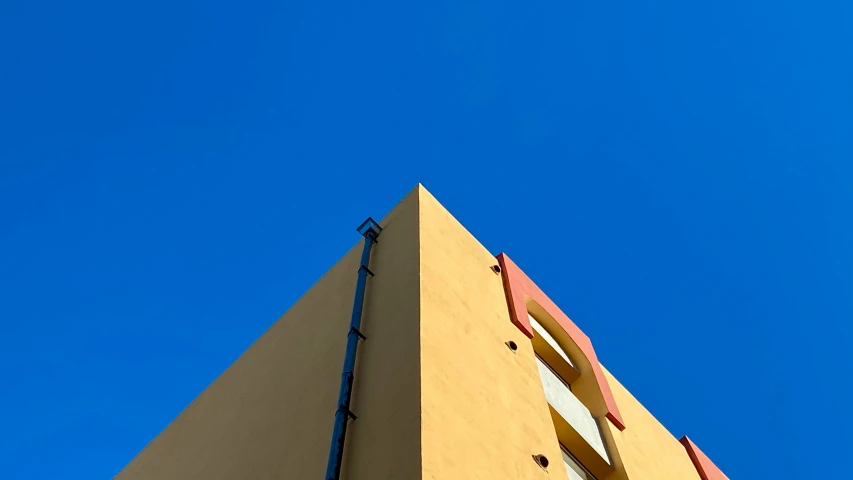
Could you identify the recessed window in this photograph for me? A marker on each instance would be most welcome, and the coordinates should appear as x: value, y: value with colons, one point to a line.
x: 542, y: 332
x: 543, y: 362
x: 574, y: 468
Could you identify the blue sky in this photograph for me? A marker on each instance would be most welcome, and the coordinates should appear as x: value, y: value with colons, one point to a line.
x: 173, y: 175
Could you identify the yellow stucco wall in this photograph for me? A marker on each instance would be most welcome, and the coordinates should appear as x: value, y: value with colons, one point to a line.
x: 586, y: 389
x: 438, y: 394
x: 647, y: 450
x: 270, y: 414
x: 484, y: 413
x: 484, y: 410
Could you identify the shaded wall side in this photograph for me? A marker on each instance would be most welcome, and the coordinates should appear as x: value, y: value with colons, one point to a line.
x: 384, y: 443
x: 270, y: 414
x: 272, y: 410
x: 484, y: 413
x: 648, y: 451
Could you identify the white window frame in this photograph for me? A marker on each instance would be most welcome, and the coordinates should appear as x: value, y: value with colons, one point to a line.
x: 577, y: 462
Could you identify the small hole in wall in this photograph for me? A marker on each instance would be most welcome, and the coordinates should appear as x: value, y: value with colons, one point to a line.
x: 496, y: 268
x: 542, y: 460
x: 512, y: 345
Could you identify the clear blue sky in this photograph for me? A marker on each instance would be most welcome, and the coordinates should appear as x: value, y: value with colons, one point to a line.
x: 173, y: 175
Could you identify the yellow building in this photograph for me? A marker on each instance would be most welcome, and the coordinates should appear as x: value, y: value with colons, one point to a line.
x: 464, y: 369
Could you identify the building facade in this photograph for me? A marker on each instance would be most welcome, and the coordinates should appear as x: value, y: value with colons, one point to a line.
x: 468, y: 371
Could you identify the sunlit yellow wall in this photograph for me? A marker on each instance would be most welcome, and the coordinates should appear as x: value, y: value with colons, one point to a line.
x: 647, y: 449
x: 270, y: 415
x: 586, y: 389
x: 438, y: 394
x: 484, y: 409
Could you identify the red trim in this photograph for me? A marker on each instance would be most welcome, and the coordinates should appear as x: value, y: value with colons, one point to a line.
x: 706, y: 468
x: 518, y: 286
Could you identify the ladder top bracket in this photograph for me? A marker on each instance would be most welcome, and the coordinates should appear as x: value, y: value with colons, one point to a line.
x: 369, y: 226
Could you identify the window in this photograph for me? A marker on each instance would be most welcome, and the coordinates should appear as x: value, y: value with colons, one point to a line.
x: 541, y: 360
x: 552, y: 353
x: 574, y: 468
x: 574, y: 423
x: 550, y: 340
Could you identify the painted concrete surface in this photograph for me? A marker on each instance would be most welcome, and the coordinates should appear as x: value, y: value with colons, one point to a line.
x: 707, y: 469
x: 484, y: 413
x: 438, y: 393
x: 647, y: 449
x: 269, y: 416
x: 539, y: 330
x: 571, y: 409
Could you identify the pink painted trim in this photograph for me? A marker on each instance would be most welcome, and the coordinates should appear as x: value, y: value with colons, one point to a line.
x: 518, y: 286
x: 706, y: 468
